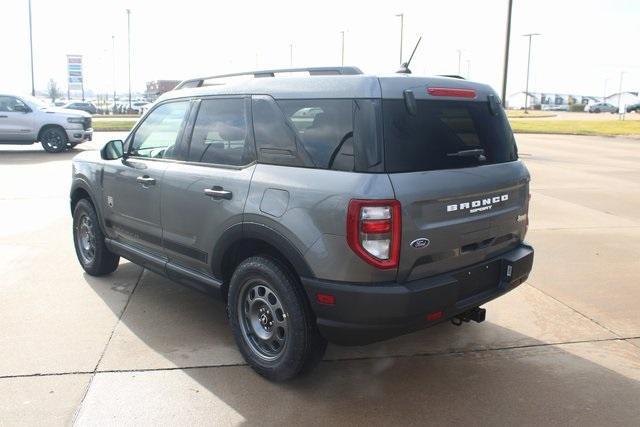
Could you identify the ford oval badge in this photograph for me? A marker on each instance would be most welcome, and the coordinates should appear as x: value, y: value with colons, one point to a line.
x: 420, y: 243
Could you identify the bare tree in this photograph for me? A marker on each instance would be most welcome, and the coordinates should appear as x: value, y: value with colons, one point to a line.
x: 52, y: 90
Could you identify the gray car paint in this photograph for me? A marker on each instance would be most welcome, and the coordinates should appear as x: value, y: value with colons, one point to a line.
x: 313, y: 218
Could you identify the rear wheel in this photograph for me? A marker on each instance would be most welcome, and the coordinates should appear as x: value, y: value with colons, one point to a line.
x: 271, y: 320
x: 54, y: 139
x: 94, y: 256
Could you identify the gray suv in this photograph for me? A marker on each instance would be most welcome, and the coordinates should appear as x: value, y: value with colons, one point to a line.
x: 333, y: 206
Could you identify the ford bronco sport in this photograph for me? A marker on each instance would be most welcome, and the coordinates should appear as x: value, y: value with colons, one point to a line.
x: 331, y: 206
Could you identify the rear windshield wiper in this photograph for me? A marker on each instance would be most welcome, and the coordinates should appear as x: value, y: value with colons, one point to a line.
x: 478, y: 153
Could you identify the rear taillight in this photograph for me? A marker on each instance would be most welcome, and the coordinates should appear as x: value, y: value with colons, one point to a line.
x: 373, y: 231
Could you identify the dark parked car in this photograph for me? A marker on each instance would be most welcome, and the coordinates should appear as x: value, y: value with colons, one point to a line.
x: 601, y: 107
x: 633, y: 107
x: 82, y: 106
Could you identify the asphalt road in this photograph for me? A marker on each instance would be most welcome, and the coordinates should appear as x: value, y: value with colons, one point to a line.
x: 136, y: 349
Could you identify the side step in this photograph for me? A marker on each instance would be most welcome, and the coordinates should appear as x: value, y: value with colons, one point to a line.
x: 476, y: 314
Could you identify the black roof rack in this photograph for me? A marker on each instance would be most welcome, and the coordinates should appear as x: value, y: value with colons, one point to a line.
x: 313, y: 71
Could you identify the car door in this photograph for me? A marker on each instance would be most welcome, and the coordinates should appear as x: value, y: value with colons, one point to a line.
x: 205, y: 195
x: 16, y: 120
x: 132, y: 187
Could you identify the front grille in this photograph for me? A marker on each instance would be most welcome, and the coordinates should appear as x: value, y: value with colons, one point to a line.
x: 87, y: 123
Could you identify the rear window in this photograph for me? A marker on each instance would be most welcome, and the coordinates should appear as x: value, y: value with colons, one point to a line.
x: 445, y: 135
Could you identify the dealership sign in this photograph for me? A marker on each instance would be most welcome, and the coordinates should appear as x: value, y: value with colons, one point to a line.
x: 74, y: 71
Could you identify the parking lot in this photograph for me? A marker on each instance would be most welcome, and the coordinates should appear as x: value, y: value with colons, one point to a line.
x: 134, y: 348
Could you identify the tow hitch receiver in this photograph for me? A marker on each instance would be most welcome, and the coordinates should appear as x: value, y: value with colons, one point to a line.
x: 476, y: 314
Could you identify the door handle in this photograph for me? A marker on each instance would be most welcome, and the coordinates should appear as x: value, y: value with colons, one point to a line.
x: 218, y: 192
x: 146, y: 180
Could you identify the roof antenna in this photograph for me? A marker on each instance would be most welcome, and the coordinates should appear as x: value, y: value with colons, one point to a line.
x: 404, y: 68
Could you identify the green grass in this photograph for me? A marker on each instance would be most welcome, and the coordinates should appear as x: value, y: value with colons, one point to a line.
x: 577, y: 127
x: 124, y: 125
x: 512, y: 114
x: 568, y: 127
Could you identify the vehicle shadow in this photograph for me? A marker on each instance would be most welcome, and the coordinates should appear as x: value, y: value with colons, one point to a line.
x: 443, y: 374
x: 440, y: 375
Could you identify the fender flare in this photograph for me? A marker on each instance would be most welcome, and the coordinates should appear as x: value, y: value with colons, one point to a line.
x: 79, y: 183
x: 256, y: 231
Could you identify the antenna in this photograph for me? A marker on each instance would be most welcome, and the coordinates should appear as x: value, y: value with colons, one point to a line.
x: 404, y: 69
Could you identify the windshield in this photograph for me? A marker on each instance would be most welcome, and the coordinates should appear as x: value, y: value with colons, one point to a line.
x: 445, y: 135
x: 34, y: 101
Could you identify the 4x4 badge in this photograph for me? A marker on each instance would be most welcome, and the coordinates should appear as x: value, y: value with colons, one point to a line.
x: 420, y: 243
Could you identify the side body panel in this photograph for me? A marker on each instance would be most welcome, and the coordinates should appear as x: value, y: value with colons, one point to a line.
x: 308, y: 207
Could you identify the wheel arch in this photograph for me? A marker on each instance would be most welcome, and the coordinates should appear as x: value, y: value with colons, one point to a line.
x: 49, y: 125
x: 242, y: 241
x: 81, y: 190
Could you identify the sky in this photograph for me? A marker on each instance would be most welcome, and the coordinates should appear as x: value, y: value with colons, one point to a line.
x: 584, y: 44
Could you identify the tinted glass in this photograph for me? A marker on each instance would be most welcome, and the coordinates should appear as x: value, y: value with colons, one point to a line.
x: 275, y: 139
x: 8, y: 104
x: 220, y: 134
x: 157, y: 136
x: 437, y: 136
x: 325, y: 129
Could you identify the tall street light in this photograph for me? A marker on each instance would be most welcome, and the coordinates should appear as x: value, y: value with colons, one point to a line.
x: 33, y: 86
x: 506, y: 55
x: 342, y: 56
x: 129, y: 51
x: 113, y: 58
x: 526, y: 91
x: 291, y: 55
x: 621, y: 112
x: 401, y: 16
x: 459, y: 60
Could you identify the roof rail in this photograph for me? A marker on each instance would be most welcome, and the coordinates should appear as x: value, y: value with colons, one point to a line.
x: 313, y: 71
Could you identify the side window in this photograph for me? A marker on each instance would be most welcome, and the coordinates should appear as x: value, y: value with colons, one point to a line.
x: 220, y: 134
x: 325, y: 129
x: 276, y: 141
x: 157, y: 136
x: 7, y: 103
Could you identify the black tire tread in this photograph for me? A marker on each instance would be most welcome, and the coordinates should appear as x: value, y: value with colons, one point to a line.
x: 105, y: 262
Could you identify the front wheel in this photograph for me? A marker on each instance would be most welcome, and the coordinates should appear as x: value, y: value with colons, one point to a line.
x: 94, y: 256
x: 271, y: 320
x: 54, y: 140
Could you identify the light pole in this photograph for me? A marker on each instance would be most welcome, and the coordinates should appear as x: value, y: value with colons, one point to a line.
x: 526, y: 91
x: 401, y: 16
x: 621, y: 112
x: 291, y: 55
x: 129, y: 51
x: 468, y: 69
x: 33, y: 85
x: 342, y: 56
x: 113, y: 58
x: 506, y: 55
x: 459, y: 60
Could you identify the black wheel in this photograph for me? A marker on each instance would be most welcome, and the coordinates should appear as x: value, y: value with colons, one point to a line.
x: 54, y: 140
x: 271, y: 320
x: 88, y: 240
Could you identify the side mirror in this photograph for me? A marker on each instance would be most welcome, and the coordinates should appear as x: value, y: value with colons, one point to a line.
x: 19, y: 108
x: 112, y: 150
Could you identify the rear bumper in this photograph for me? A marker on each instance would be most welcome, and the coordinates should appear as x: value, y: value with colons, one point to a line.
x: 366, y: 313
x: 76, y: 136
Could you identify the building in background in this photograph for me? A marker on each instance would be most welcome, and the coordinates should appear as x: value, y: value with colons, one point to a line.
x: 549, y: 100
x: 158, y: 87
x: 628, y: 98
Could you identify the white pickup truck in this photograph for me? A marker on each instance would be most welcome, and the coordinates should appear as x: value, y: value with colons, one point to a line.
x: 27, y: 120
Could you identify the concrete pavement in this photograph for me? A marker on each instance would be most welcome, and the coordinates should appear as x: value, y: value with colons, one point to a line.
x: 135, y: 349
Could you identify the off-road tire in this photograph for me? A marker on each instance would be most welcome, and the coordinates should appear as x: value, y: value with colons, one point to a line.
x: 303, y: 346
x: 54, y: 139
x: 103, y: 261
